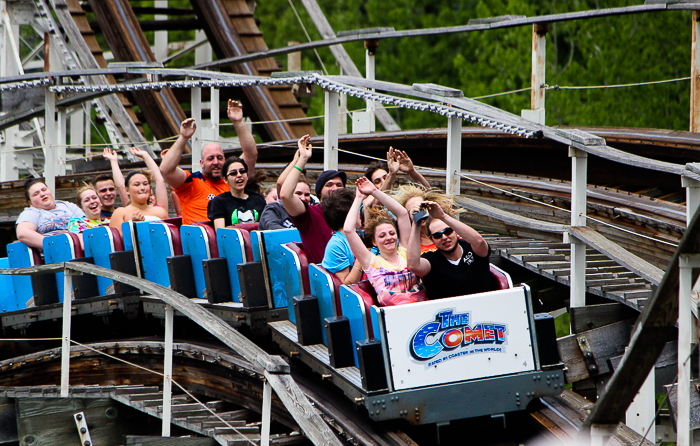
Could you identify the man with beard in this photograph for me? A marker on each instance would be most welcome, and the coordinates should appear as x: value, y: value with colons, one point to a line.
x: 195, y: 190
x: 459, y: 266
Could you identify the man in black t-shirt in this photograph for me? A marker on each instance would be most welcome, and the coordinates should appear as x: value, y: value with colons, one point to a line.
x: 459, y: 266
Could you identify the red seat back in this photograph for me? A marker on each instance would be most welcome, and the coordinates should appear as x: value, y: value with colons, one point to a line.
x: 37, y: 258
x: 211, y: 238
x: 303, y: 260
x: 175, y: 237
x: 246, y: 226
x: 117, y: 238
x: 501, y: 279
x: 177, y: 221
x: 369, y: 297
x: 247, y: 245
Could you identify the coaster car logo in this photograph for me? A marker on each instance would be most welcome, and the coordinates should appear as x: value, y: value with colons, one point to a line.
x: 449, y: 331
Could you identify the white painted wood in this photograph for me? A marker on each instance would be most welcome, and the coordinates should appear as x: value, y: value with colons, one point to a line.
x: 330, y: 131
x: 686, y: 264
x: 168, y: 370
x: 203, y: 53
x: 87, y: 107
x: 579, y: 172
x: 111, y: 102
x: 65, y: 337
x: 50, y: 140
x: 266, y: 410
x: 76, y: 119
x: 344, y: 60
x: 214, y: 108
x: 196, y: 140
x: 539, y: 60
x: 370, y: 75
x: 454, y: 155
x: 579, y: 166
x: 692, y: 194
x: 343, y: 112
x: 641, y: 414
x: 160, y: 38
x: 61, y: 140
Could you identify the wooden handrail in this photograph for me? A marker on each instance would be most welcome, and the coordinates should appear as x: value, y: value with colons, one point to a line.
x: 276, y: 370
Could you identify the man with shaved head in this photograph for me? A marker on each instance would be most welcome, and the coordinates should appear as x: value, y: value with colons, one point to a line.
x: 195, y: 190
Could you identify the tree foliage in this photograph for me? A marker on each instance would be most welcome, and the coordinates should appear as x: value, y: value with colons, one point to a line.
x: 604, y: 51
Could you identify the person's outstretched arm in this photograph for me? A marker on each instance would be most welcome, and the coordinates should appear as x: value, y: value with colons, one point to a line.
x: 466, y: 232
x: 117, y: 175
x: 407, y: 168
x: 169, y: 165
x: 416, y: 264
x: 358, y: 248
x: 291, y: 202
x: 161, y: 189
x: 250, y: 149
x: 283, y: 176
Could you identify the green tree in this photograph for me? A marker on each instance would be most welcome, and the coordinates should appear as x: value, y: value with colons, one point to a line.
x: 595, y: 52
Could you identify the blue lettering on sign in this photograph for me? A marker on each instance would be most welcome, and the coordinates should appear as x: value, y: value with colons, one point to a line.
x: 451, y: 331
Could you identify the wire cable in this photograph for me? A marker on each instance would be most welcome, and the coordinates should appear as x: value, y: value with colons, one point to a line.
x: 592, y: 87
x: 171, y: 380
x: 308, y: 37
x: 522, y: 197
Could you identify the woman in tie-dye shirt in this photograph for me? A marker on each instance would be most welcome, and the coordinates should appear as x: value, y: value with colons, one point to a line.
x: 388, y: 272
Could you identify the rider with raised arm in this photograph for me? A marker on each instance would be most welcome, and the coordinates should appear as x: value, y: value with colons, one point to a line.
x: 313, y: 229
x: 459, y: 266
x: 195, y: 190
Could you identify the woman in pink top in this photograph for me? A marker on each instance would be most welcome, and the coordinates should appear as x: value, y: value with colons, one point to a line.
x: 388, y: 272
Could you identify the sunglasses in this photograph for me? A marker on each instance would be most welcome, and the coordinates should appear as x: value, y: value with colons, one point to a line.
x: 438, y: 235
x: 236, y: 172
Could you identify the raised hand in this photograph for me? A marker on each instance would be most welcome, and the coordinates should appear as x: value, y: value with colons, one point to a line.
x: 234, y: 111
x: 434, y: 209
x: 406, y: 165
x: 187, y: 128
x: 392, y: 161
x: 365, y: 186
x: 110, y: 154
x: 138, y: 152
x: 304, y: 147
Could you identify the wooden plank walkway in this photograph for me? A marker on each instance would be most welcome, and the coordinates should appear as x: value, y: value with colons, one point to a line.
x: 604, y: 277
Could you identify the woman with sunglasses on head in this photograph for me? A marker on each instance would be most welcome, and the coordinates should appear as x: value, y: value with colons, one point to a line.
x: 459, y: 266
x: 241, y: 204
x: 387, y: 272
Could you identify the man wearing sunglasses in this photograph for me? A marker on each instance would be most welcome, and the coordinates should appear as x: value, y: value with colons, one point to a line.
x: 459, y: 266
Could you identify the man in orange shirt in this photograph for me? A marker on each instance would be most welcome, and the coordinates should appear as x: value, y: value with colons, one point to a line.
x: 195, y: 190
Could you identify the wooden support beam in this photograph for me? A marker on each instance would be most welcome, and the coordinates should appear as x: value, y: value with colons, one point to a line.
x: 615, y: 252
x: 602, y: 343
x: 344, y: 59
x: 656, y: 326
x: 275, y: 368
x: 695, y: 75
x: 539, y: 63
x: 330, y: 131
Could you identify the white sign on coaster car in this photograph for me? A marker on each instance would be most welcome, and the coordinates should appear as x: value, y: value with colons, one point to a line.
x: 460, y: 338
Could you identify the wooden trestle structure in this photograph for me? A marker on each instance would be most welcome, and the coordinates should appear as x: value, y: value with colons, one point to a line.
x: 623, y: 265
